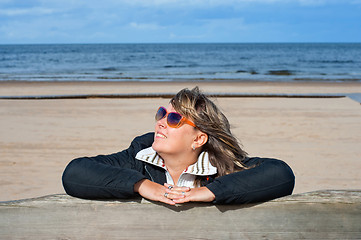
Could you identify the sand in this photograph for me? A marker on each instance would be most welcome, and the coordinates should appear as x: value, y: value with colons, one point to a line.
x: 320, y: 138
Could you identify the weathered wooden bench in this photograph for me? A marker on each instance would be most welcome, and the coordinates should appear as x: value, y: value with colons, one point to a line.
x: 315, y: 215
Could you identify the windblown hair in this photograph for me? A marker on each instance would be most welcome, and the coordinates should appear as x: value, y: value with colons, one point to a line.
x: 223, y: 148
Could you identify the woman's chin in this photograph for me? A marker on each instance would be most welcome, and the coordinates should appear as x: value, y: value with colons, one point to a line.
x: 156, y: 146
x: 160, y: 147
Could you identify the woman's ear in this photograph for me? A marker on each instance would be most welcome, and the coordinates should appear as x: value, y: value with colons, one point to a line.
x: 201, y: 139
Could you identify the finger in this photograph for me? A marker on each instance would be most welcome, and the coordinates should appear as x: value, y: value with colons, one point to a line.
x: 186, y: 197
x: 180, y: 189
x: 177, y: 194
x: 181, y: 200
x: 176, y: 188
x: 174, y: 195
x: 166, y: 199
x: 169, y: 186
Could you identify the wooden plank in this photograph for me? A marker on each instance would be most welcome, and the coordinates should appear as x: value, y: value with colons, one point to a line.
x: 314, y: 215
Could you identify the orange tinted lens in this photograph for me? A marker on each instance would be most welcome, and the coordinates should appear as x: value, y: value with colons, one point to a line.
x: 160, y: 113
x: 174, y: 119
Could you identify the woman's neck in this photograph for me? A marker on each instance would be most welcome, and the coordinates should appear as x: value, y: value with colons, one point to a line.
x: 177, y: 164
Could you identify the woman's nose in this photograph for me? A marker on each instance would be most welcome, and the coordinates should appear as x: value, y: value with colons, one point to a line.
x: 162, y: 122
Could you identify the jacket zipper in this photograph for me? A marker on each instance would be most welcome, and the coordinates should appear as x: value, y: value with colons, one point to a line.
x: 146, y: 169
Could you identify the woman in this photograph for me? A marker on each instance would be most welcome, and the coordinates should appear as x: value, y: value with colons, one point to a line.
x: 192, y: 156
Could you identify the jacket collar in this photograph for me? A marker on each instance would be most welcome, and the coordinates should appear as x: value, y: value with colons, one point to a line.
x: 202, y: 167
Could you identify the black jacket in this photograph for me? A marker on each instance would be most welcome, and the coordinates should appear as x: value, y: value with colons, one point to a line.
x: 113, y: 176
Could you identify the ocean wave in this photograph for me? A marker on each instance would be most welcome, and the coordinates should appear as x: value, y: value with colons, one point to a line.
x: 328, y: 61
x: 252, y: 72
x: 313, y: 79
x: 281, y: 72
x: 109, y: 69
x: 181, y: 66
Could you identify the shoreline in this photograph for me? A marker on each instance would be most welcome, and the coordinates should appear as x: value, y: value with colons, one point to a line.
x: 318, y: 137
x: 16, y: 88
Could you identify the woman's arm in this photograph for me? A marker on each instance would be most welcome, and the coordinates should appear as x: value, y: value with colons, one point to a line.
x: 269, y: 179
x: 106, y: 176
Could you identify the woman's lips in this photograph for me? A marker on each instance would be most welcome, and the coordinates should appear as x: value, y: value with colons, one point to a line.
x: 160, y: 135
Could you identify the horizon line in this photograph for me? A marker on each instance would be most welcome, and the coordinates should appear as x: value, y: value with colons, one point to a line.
x: 116, y: 43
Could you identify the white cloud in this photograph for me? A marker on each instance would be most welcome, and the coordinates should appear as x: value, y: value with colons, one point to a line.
x: 42, y: 7
x: 26, y: 11
x: 173, y: 36
x: 173, y: 20
x: 145, y: 26
x: 213, y: 3
x: 312, y: 2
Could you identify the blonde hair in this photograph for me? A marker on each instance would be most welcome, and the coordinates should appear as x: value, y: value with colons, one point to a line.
x: 223, y: 148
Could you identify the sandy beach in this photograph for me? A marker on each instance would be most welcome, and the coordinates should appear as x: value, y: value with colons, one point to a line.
x: 318, y: 137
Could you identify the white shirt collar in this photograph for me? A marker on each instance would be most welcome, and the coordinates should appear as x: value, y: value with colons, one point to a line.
x: 202, y: 167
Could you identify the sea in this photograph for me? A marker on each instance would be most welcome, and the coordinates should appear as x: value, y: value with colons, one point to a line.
x: 331, y: 62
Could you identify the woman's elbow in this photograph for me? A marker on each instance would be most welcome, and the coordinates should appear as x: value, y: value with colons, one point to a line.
x: 286, y: 178
x: 70, y: 177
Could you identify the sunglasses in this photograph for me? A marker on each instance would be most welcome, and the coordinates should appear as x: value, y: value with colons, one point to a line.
x: 174, y: 119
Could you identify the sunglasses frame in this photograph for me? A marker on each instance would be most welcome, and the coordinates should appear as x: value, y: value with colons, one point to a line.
x: 179, y: 124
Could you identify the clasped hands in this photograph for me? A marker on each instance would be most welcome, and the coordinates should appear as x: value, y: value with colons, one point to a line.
x: 172, y: 194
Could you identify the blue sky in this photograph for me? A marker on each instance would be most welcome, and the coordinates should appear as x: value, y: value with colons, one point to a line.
x: 149, y: 21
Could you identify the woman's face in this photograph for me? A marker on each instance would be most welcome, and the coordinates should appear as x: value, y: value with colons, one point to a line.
x: 170, y: 141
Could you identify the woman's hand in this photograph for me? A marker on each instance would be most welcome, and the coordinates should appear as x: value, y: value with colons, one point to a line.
x: 186, y: 194
x: 153, y: 191
x: 172, y: 194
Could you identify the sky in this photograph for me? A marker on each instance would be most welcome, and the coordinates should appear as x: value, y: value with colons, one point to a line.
x: 179, y: 21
